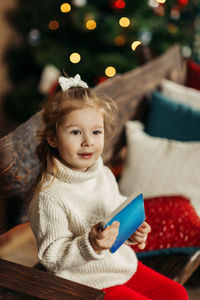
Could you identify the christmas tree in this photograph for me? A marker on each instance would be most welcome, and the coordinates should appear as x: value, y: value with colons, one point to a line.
x: 96, y: 39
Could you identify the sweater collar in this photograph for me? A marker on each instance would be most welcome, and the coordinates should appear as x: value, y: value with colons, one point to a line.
x: 68, y: 175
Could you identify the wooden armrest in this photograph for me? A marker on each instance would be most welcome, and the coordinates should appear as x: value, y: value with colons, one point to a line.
x: 42, y: 285
x: 191, y: 266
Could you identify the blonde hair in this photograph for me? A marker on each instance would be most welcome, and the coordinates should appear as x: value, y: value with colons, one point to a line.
x: 62, y: 103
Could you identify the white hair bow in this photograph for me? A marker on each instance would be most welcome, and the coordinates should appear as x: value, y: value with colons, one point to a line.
x: 67, y: 83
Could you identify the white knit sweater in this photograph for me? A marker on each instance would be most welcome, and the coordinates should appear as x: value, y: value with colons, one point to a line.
x: 61, y: 217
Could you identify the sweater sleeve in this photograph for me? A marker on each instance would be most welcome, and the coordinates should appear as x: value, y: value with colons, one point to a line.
x: 57, y: 247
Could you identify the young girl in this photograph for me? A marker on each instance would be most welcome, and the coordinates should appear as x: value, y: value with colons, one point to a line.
x: 76, y: 192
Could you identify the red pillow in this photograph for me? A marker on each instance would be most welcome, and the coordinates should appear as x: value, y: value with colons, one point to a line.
x: 193, y: 75
x: 175, y: 226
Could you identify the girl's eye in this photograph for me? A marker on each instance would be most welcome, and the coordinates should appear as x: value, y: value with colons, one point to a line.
x: 75, y: 132
x: 96, y: 132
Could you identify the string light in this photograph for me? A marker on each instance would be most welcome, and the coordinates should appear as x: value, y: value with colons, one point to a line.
x: 53, y: 25
x: 75, y: 58
x: 65, y: 7
x: 110, y: 71
x: 124, y: 22
x: 135, y: 44
x: 91, y: 24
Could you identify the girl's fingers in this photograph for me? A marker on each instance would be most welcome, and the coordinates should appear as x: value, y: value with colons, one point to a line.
x: 141, y: 246
x: 145, y: 228
x: 106, y: 238
x: 140, y: 240
x: 139, y: 234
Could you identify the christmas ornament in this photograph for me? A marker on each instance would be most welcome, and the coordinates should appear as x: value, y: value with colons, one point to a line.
x: 118, y: 4
x: 183, y: 2
x: 49, y: 80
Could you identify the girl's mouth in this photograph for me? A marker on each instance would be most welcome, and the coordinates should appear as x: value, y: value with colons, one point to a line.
x: 86, y: 155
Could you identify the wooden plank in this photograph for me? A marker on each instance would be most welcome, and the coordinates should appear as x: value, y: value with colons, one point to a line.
x: 43, y: 285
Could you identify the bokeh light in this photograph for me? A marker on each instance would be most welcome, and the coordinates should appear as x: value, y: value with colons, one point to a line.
x: 53, y: 25
x: 135, y: 44
x: 124, y: 22
x: 65, y: 7
x: 91, y: 24
x: 119, y: 40
x: 110, y: 71
x: 75, y: 58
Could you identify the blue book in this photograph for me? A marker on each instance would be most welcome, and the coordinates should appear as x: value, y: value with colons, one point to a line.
x: 131, y: 215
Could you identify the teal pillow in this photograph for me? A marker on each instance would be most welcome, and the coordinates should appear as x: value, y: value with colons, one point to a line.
x: 172, y: 120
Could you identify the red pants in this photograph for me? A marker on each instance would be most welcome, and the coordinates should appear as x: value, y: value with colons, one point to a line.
x: 147, y: 284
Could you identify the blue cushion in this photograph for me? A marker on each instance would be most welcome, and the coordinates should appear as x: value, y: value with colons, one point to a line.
x: 169, y: 251
x: 172, y: 120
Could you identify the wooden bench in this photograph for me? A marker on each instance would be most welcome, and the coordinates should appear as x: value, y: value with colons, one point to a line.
x: 19, y: 168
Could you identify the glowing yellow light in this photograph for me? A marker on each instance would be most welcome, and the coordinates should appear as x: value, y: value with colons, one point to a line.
x: 124, y: 22
x: 53, y: 25
x: 110, y: 71
x: 135, y: 44
x: 65, y: 7
x: 75, y: 58
x: 161, y: 1
x: 91, y: 24
x: 120, y: 40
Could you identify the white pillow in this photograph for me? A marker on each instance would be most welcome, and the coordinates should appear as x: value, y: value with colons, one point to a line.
x: 159, y: 166
x: 181, y: 93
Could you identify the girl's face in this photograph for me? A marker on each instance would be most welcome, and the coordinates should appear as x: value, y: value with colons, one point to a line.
x: 80, y: 138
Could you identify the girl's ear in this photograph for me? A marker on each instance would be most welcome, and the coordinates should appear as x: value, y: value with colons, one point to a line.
x: 52, y: 142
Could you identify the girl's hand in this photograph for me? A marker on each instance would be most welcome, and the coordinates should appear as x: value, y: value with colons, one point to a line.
x: 103, y: 240
x: 140, y: 236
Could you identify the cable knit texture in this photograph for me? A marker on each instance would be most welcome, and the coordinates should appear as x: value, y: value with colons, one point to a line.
x: 61, y: 217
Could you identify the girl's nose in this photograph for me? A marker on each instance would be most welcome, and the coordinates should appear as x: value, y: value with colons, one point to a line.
x: 87, y: 141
